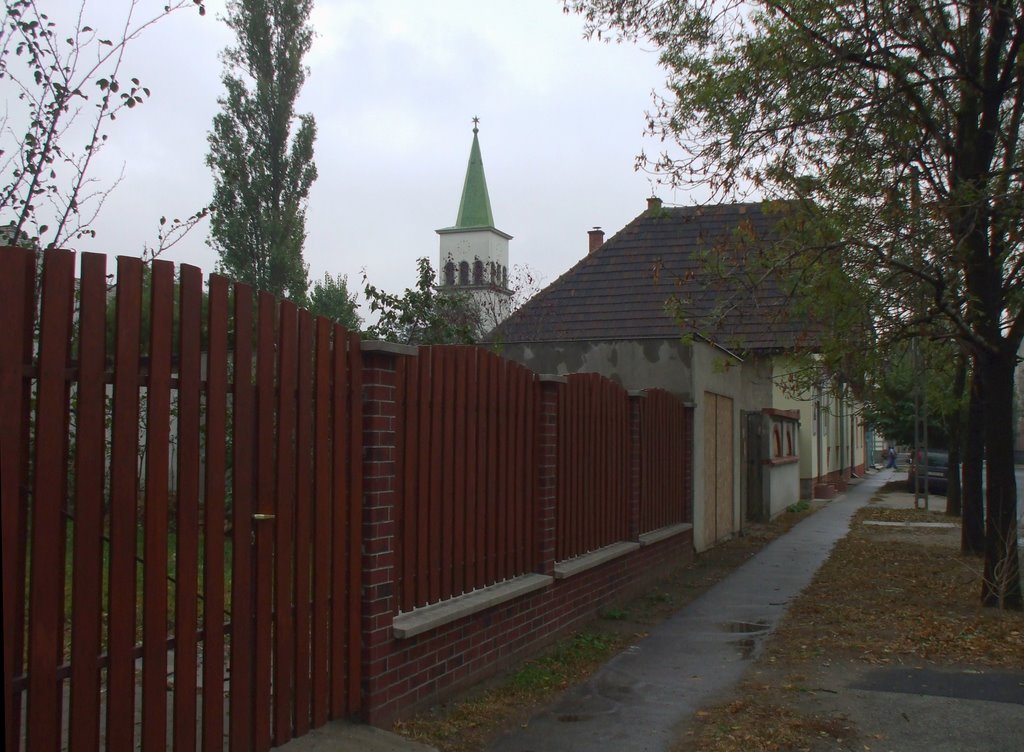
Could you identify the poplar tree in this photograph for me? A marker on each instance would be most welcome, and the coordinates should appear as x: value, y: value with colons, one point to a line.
x: 262, y: 171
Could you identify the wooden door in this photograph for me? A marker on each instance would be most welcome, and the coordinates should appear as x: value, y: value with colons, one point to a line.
x: 718, y: 467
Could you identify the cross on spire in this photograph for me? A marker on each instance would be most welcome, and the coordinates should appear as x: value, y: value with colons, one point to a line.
x: 476, y: 122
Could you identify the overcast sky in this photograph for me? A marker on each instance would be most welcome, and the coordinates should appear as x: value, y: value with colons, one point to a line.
x: 393, y: 86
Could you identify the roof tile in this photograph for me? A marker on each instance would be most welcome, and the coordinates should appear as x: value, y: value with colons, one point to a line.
x: 620, y: 291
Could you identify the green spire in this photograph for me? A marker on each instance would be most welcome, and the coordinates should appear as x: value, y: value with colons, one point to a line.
x: 475, y: 206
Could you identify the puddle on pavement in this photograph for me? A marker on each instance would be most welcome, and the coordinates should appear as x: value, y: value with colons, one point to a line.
x: 745, y: 627
x: 747, y: 646
x: 572, y: 717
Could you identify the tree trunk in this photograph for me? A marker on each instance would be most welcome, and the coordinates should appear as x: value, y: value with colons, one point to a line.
x: 955, y: 432
x: 1001, y: 586
x: 972, y: 520
x: 953, y: 491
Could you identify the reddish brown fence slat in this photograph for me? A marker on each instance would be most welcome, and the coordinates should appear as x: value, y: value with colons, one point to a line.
x: 501, y: 471
x: 90, y: 463
x: 409, y: 461
x: 352, y: 663
x: 242, y: 651
x: 322, y: 488
x: 46, y: 585
x: 341, y: 511
x: 284, y: 551
x: 482, y: 405
x: 17, y: 284
x: 214, y: 515
x: 459, y: 470
x: 471, y: 552
x: 187, y: 558
x: 154, y: 575
x: 593, y: 454
x: 424, y: 483
x: 665, y: 428
x: 340, y: 416
x: 124, y: 494
x: 514, y: 473
x: 490, y: 521
x: 435, y: 510
x: 303, y: 529
x: 527, y: 473
x: 264, y: 515
x: 446, y: 414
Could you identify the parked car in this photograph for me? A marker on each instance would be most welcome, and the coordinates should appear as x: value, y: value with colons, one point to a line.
x: 938, y: 463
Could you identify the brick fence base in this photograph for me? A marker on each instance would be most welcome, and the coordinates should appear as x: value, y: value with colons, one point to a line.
x: 422, y: 670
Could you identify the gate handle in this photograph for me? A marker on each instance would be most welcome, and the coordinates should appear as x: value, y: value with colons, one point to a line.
x: 261, y: 517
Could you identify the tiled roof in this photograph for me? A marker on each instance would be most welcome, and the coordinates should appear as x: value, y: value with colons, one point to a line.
x: 620, y: 291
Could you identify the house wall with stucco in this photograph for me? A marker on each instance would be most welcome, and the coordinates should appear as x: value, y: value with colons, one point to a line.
x: 832, y: 435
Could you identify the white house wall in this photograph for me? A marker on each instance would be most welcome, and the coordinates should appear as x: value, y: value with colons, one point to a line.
x: 825, y: 437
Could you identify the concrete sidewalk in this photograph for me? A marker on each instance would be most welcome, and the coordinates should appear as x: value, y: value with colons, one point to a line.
x: 636, y: 699
x: 343, y: 736
x: 639, y: 698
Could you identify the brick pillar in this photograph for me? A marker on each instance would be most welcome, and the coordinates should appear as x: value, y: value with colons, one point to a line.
x: 547, y: 472
x: 635, y: 406
x: 381, y: 427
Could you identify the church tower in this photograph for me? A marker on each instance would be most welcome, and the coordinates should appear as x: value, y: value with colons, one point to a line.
x: 474, y: 253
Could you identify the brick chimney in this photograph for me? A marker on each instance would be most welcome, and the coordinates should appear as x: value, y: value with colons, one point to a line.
x: 653, y: 204
x: 596, y: 239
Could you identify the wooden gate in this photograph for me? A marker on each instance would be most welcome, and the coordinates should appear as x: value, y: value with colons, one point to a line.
x: 181, y: 519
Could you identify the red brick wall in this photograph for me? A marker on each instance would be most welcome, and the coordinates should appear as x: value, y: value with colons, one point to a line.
x: 421, y: 670
x: 401, y: 675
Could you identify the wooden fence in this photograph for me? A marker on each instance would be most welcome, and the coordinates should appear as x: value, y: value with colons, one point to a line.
x: 239, y: 580
x: 188, y: 553
x: 467, y: 467
x: 593, y: 465
x: 665, y: 436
